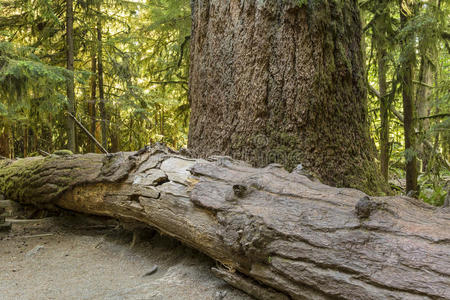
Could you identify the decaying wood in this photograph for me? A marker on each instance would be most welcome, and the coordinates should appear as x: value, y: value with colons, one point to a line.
x: 297, y: 236
x: 248, y: 285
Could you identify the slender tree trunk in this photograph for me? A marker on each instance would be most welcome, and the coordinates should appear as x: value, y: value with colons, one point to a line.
x: 423, y: 104
x: 382, y: 83
x: 407, y: 75
x: 424, y: 91
x: 35, y: 139
x: 47, y: 134
x: 115, y: 139
x: 282, y: 81
x: 70, y: 82
x: 12, y: 150
x: 384, y: 114
x: 4, y: 140
x: 25, y: 141
x: 102, y: 104
x: 427, y: 74
x: 162, y: 120
x: 93, y: 100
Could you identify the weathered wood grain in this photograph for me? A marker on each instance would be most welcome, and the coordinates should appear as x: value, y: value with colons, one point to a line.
x: 297, y: 236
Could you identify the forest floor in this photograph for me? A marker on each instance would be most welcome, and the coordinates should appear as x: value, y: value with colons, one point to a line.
x: 71, y: 258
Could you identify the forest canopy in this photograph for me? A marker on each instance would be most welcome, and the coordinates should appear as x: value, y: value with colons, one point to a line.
x: 131, y: 70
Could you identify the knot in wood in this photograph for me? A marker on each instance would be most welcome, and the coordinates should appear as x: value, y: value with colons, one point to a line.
x: 239, y: 190
x: 365, y: 207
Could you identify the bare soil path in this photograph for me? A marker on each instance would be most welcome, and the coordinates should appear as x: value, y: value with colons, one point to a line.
x: 75, y: 258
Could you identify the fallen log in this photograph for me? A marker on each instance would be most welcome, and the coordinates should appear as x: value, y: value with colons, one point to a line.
x: 283, y: 230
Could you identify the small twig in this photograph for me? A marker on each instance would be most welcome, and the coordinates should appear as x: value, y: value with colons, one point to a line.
x: 27, y: 221
x: 100, y: 227
x: 43, y: 153
x: 152, y: 271
x: 37, y: 235
x: 438, y: 116
x: 88, y: 133
x: 423, y: 84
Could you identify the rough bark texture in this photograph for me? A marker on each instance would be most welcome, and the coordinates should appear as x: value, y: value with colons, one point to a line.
x: 101, y: 93
x: 423, y: 106
x: 380, y: 40
x: 406, y: 78
x: 299, y: 237
x: 282, y: 81
x: 70, y: 82
x: 93, y: 100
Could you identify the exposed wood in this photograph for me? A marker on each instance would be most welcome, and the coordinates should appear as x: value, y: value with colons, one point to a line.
x: 27, y: 221
x: 248, y: 285
x: 297, y: 236
x: 37, y: 236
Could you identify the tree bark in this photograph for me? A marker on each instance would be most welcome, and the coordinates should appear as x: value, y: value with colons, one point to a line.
x: 25, y: 140
x: 407, y: 75
x: 423, y: 105
x: 4, y: 140
x: 102, y: 105
x: 70, y: 82
x: 92, y: 101
x: 299, y: 237
x: 380, y: 38
x: 282, y: 81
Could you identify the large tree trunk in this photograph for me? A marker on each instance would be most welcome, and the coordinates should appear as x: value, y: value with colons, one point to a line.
x: 297, y: 236
x: 282, y: 81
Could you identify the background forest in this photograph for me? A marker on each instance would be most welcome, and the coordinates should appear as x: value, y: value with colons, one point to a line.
x: 121, y: 69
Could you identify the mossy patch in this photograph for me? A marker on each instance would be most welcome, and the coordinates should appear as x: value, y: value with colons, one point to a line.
x: 63, y: 152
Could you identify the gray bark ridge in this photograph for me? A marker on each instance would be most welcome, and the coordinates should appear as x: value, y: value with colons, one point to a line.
x: 297, y: 236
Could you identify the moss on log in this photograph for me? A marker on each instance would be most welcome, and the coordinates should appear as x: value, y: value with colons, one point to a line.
x: 296, y: 236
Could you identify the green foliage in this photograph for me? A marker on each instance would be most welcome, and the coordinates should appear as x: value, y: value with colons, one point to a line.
x: 302, y: 3
x: 145, y: 60
x: 145, y: 47
x: 29, y: 88
x: 433, y: 189
x: 427, y: 24
x: 63, y: 152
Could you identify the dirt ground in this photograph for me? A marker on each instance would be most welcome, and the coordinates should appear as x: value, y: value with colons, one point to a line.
x: 78, y: 258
